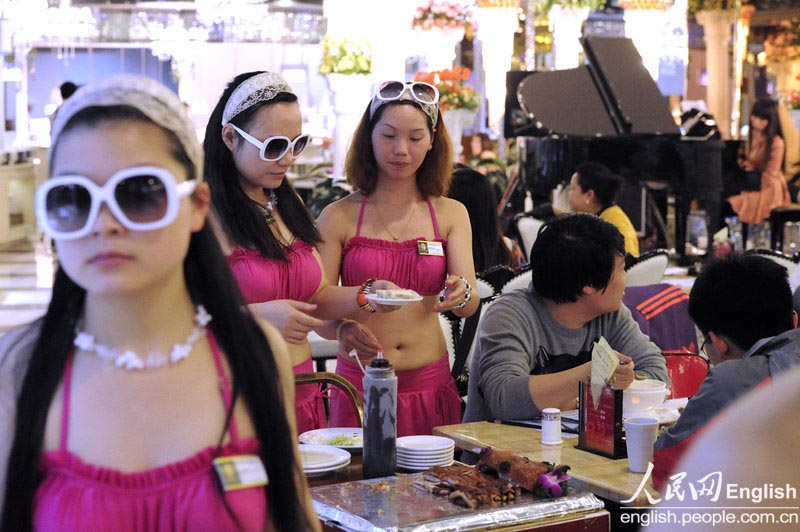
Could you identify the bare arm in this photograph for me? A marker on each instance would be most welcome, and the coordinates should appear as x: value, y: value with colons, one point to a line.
x: 459, y: 262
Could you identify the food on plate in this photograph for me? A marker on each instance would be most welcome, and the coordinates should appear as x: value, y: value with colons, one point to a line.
x: 498, y: 477
x: 396, y: 294
x: 345, y: 440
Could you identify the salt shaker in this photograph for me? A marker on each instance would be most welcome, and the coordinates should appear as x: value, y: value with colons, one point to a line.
x: 380, y: 419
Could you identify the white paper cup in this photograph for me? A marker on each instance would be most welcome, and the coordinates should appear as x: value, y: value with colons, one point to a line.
x: 640, y: 435
x: 551, y: 426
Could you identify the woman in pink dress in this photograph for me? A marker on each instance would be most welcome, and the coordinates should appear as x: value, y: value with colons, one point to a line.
x: 252, y: 138
x: 146, y: 398
x: 766, y: 151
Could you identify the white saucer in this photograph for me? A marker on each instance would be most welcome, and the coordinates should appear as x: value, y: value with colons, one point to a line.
x: 313, y: 473
x: 320, y: 457
x: 423, y: 444
x: 324, y: 437
x: 394, y: 301
x: 415, y: 467
x: 424, y: 456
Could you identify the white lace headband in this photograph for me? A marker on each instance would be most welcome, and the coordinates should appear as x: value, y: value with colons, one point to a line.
x: 260, y: 88
x: 148, y: 96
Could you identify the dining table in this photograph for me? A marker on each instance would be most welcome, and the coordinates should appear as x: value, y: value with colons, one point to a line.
x: 351, y: 476
x: 605, y: 477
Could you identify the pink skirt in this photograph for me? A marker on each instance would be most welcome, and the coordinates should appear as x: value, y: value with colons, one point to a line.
x: 309, y: 407
x: 427, y: 397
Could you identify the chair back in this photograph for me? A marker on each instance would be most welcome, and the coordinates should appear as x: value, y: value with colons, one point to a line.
x: 687, y: 371
x: 528, y: 228
x: 520, y: 280
x: 648, y: 268
x: 788, y: 262
x: 327, y: 378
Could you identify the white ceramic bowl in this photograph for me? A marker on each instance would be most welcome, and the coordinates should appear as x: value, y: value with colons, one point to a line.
x: 643, y: 397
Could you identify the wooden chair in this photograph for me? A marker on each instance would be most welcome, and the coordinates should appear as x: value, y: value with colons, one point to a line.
x: 327, y: 379
x: 686, y: 371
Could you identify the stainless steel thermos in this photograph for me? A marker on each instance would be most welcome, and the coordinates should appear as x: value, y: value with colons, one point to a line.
x: 380, y: 419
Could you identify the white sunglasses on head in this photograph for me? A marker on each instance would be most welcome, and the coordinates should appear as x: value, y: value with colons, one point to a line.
x: 274, y: 148
x: 142, y: 198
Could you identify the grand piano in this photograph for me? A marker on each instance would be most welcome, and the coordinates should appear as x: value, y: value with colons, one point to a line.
x: 610, y: 111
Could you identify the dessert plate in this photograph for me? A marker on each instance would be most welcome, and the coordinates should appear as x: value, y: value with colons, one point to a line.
x: 407, y: 297
x: 348, y: 438
x: 321, y: 457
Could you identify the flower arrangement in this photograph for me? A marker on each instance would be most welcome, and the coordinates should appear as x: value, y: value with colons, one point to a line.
x: 345, y: 57
x: 543, y: 6
x: 440, y: 14
x: 792, y: 99
x: 453, y: 92
x: 783, y: 41
x: 694, y: 6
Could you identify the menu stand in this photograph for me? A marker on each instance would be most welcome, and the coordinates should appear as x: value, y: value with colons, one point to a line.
x: 600, y: 428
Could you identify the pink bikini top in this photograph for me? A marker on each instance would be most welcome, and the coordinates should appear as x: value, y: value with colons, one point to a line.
x: 398, y: 262
x: 75, y: 495
x: 261, y: 279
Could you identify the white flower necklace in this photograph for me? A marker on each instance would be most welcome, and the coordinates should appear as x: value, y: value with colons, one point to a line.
x: 131, y: 361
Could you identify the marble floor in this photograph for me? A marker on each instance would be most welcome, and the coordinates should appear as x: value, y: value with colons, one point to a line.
x: 26, y: 274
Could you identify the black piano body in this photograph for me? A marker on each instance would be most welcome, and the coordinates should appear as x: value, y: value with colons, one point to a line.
x: 611, y: 111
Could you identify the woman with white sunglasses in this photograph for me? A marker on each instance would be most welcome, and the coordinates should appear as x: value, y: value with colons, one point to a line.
x: 253, y: 135
x: 144, y: 396
x: 399, y: 226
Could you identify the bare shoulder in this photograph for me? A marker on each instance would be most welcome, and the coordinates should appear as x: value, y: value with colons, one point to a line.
x: 449, y: 212
x: 342, y: 209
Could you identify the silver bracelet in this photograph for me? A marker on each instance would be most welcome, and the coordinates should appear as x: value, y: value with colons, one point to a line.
x: 340, y: 327
x: 467, y: 296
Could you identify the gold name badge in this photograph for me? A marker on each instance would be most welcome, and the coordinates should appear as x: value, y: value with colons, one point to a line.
x: 426, y: 247
x: 240, y: 472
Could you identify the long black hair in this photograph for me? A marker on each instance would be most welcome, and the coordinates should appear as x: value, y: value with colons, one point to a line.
x: 767, y: 108
x: 472, y: 188
x: 242, y: 220
x: 241, y: 340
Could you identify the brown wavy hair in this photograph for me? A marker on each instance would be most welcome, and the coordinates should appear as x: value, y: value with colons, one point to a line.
x: 433, y: 175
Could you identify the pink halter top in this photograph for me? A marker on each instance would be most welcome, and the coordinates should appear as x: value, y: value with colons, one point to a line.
x: 261, y: 279
x: 75, y: 495
x: 398, y: 262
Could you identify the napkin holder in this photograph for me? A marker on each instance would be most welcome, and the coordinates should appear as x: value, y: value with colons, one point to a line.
x: 600, y: 428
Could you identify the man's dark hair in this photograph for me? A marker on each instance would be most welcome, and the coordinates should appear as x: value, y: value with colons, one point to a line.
x: 743, y: 297
x: 67, y: 89
x: 595, y: 176
x: 573, y: 251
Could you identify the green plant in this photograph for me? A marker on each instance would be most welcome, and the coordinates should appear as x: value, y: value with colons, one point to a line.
x: 345, y: 57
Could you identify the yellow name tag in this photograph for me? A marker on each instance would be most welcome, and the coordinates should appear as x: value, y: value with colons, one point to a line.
x: 426, y: 247
x: 240, y: 472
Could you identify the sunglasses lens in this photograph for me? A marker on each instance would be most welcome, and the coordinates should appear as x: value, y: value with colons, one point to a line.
x: 391, y: 90
x: 300, y: 144
x: 275, y: 149
x: 424, y: 92
x: 68, y: 207
x: 142, y: 198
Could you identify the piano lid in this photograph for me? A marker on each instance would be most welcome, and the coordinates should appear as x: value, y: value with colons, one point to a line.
x: 611, y: 95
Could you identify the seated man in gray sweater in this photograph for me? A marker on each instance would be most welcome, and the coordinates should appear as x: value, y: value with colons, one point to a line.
x: 743, y: 306
x: 534, y: 345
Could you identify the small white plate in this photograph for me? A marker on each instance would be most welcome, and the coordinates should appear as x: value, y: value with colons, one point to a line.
x: 422, y: 467
x: 425, y: 443
x: 315, y: 457
x: 314, y: 473
x: 425, y: 463
x: 394, y: 301
x: 353, y: 437
x: 423, y: 456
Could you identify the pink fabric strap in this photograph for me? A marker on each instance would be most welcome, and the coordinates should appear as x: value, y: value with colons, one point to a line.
x: 65, y: 402
x: 224, y: 383
x: 433, y: 218
x: 361, y: 215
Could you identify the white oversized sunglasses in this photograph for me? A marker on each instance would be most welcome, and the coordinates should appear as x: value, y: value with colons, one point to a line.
x: 274, y: 148
x: 142, y: 198
x: 420, y: 91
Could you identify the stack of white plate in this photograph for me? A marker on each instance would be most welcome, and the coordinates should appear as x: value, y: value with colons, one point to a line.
x: 418, y: 453
x: 320, y: 460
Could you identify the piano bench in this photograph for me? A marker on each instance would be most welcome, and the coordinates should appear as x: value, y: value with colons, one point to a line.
x: 777, y: 218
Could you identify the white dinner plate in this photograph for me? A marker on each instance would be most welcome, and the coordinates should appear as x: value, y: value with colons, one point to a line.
x: 425, y: 443
x: 424, y: 456
x: 314, y: 473
x: 394, y: 301
x: 422, y: 467
x: 424, y: 463
x: 348, y: 438
x: 315, y: 457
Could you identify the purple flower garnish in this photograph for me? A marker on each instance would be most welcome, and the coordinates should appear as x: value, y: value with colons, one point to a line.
x: 554, y: 483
